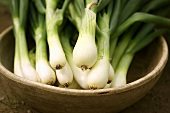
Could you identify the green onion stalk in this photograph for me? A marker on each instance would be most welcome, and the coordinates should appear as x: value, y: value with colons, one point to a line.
x: 155, y: 4
x: 136, y: 17
x: 99, y: 73
x: 40, y: 6
x: 83, y: 15
x: 80, y: 76
x: 129, y: 15
x: 141, y: 17
x: 118, y: 49
x: 57, y: 58
x: 130, y: 7
x: 22, y: 64
x: 42, y: 65
x: 117, y: 8
x: 65, y: 75
x: 134, y: 46
x: 54, y: 20
x: 121, y: 48
x: 102, y: 73
x: 123, y: 43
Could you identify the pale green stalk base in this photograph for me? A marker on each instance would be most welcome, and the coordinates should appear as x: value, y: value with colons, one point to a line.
x: 54, y: 18
x: 17, y: 63
x: 43, y: 68
x: 99, y: 74
x: 122, y: 69
x: 27, y: 69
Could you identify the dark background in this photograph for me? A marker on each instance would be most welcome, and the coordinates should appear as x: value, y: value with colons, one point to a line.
x: 156, y: 101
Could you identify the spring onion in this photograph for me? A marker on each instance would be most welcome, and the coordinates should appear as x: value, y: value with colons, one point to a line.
x: 19, y: 10
x: 54, y: 18
x: 124, y: 63
x: 86, y: 42
x: 43, y: 68
x: 117, y: 7
x: 84, y: 18
x: 98, y: 76
x: 123, y: 44
x: 65, y: 75
x: 80, y: 75
x: 141, y: 17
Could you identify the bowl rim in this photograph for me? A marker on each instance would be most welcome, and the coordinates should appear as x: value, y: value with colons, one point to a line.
x: 80, y: 92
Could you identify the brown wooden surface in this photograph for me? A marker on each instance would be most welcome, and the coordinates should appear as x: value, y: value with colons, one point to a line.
x: 156, y: 101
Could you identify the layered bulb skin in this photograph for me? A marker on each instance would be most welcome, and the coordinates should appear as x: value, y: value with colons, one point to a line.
x: 65, y: 75
x: 45, y: 72
x: 99, y: 74
x: 57, y: 57
x: 85, y: 52
x: 81, y: 76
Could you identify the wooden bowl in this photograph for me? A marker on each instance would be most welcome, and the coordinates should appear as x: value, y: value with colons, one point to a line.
x: 144, y: 72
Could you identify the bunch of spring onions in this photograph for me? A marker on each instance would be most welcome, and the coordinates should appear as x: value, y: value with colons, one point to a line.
x: 83, y: 44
